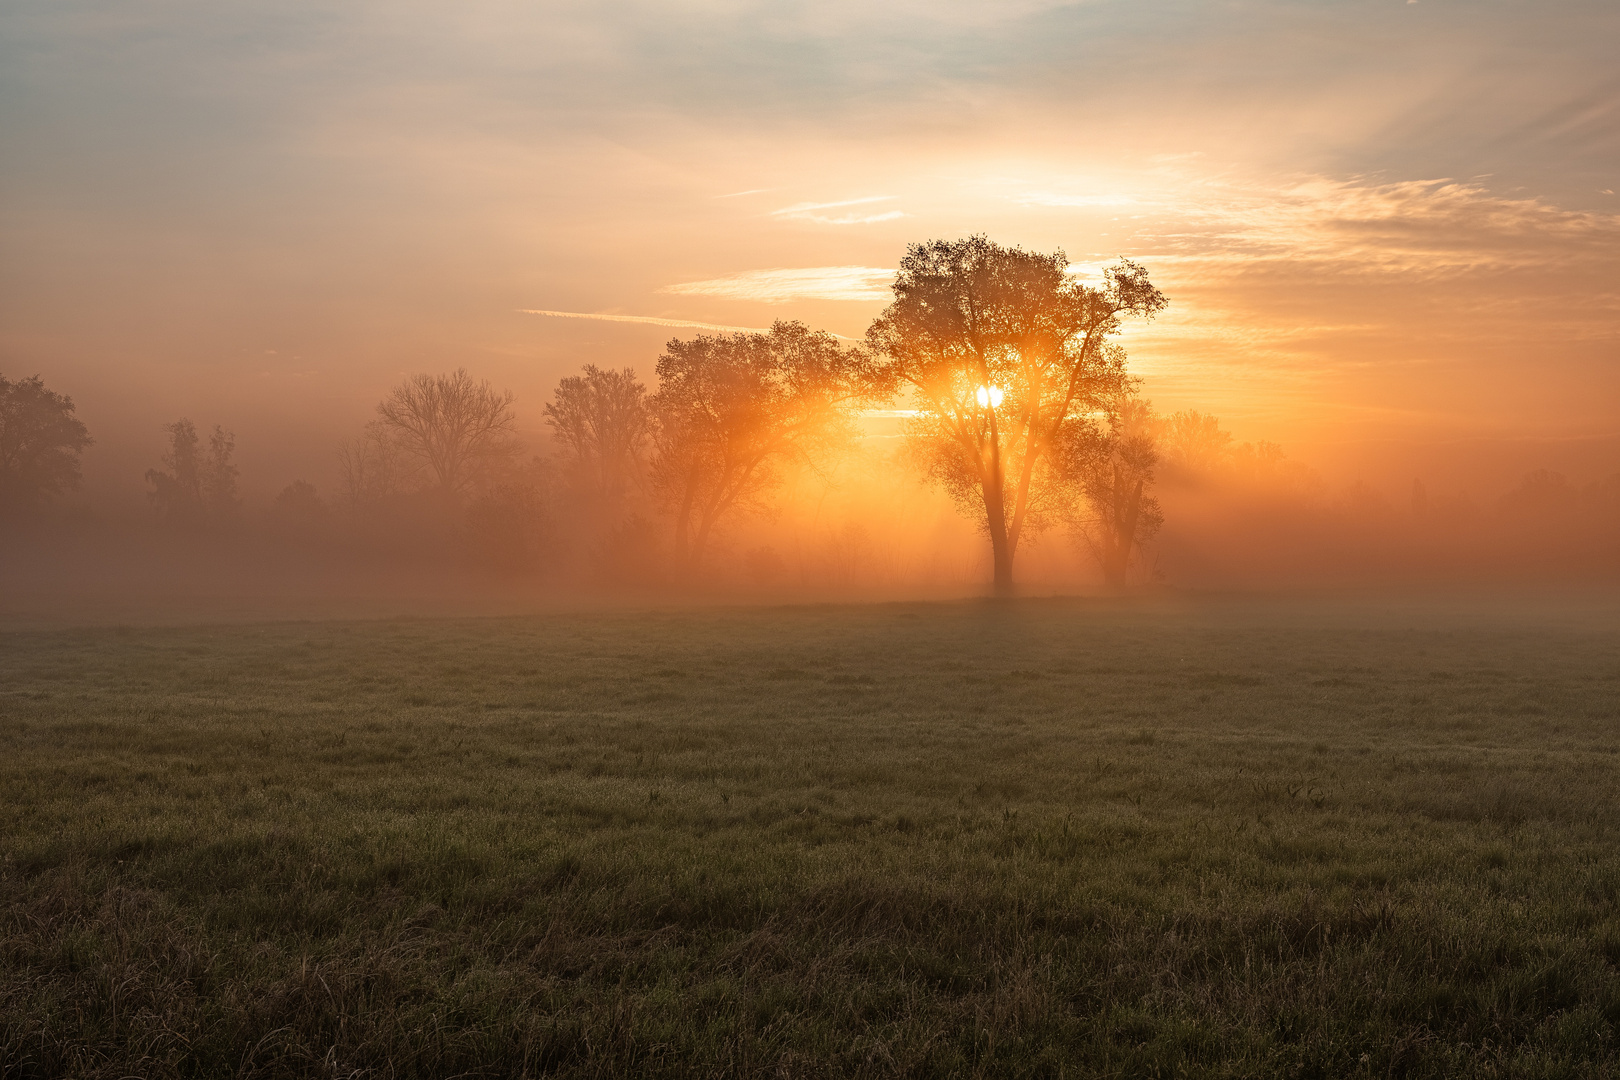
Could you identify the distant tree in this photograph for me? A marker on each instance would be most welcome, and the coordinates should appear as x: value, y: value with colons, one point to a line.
x: 40, y: 443
x: 508, y: 522
x: 375, y: 467
x: 300, y: 497
x: 219, y: 474
x: 199, y: 486
x: 1540, y: 493
x: 731, y: 409
x: 1004, y: 354
x: 300, y: 502
x: 1194, y: 442
x: 1113, y: 467
x: 462, y: 431
x: 602, y: 420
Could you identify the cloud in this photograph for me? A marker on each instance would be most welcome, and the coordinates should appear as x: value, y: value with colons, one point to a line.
x: 809, y: 212
x: 1415, y: 228
x: 649, y: 320
x: 783, y: 285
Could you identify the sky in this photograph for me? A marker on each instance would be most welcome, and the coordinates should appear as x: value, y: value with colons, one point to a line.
x: 1387, y: 228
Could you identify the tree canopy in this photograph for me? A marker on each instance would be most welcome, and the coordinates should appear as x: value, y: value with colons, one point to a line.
x: 461, y: 430
x: 1005, y: 354
x: 40, y: 443
x: 732, y: 408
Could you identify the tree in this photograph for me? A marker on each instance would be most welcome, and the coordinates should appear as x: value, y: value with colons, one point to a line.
x: 374, y: 467
x: 1004, y: 355
x: 40, y: 443
x: 199, y: 487
x: 1195, y: 442
x: 731, y: 409
x: 461, y: 430
x: 602, y: 420
x: 1114, y: 470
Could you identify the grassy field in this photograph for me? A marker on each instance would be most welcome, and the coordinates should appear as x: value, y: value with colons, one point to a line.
x: 1045, y: 838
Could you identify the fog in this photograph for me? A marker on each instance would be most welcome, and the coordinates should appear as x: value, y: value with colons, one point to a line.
x: 857, y: 520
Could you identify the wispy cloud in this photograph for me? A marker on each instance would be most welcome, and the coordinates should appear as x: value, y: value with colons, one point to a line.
x: 648, y: 320
x: 783, y: 285
x: 1414, y: 228
x: 739, y: 194
x: 812, y: 212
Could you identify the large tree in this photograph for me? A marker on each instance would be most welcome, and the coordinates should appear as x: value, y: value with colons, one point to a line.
x: 462, y: 431
x: 732, y: 409
x: 1004, y: 354
x: 40, y: 443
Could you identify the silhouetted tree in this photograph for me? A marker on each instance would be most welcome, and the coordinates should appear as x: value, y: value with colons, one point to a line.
x: 1114, y: 470
x: 1194, y: 441
x: 461, y: 430
x: 732, y: 408
x: 199, y: 487
x: 40, y: 443
x: 1003, y: 352
x: 602, y: 420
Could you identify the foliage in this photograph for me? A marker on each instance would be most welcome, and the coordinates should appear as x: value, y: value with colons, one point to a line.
x: 971, y: 320
x: 732, y: 408
x: 602, y: 421
x: 40, y: 443
x: 1114, y: 470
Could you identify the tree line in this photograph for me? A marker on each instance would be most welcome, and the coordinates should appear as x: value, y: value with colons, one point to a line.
x: 1018, y: 404
x: 1021, y: 408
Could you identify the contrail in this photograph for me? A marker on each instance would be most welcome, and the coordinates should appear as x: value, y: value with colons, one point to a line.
x: 648, y: 319
x: 652, y: 321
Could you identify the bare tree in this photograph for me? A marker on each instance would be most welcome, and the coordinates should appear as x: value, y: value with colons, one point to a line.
x: 1002, y: 351
x: 40, y: 443
x: 1113, y: 468
x: 602, y: 420
x: 461, y: 430
x: 732, y: 408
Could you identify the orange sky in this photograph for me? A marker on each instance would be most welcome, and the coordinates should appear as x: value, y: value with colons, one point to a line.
x: 1381, y: 224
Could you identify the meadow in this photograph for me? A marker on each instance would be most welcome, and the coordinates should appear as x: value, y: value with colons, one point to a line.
x: 1196, y: 838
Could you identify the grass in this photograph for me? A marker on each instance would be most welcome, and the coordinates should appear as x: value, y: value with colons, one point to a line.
x: 1036, y: 839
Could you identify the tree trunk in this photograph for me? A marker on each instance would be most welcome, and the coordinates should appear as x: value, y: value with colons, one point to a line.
x: 683, y: 520
x: 1002, y: 545
x: 1127, y: 508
